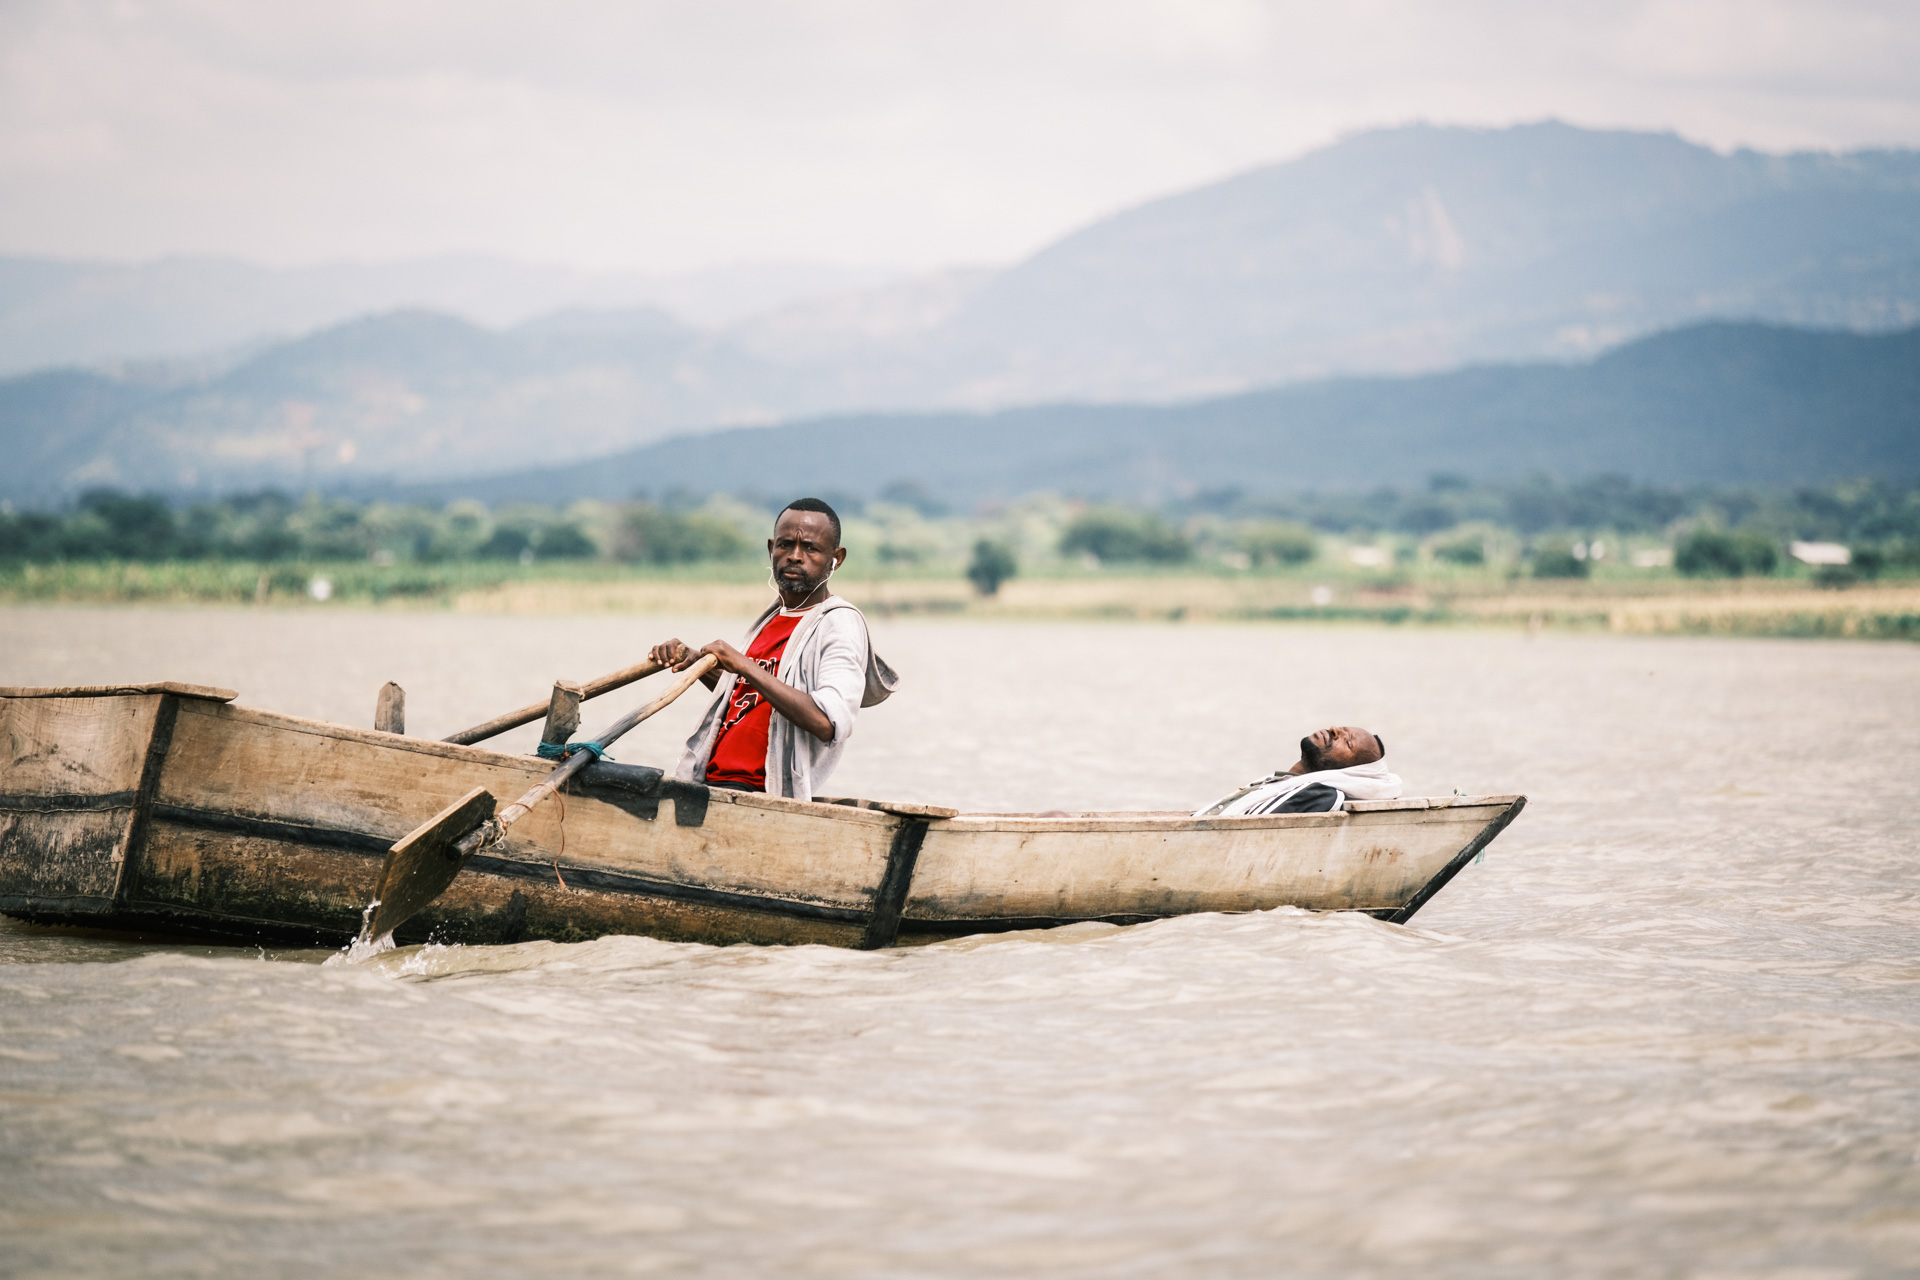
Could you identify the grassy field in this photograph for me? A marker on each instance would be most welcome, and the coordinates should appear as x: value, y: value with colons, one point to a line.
x: 1621, y: 600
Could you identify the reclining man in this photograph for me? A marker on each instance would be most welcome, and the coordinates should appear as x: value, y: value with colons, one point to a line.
x: 1336, y: 765
x: 785, y: 707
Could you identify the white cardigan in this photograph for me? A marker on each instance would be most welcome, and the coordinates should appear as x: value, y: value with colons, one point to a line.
x: 1356, y: 782
x: 830, y: 657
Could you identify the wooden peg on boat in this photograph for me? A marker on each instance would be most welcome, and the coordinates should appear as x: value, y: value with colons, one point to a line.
x: 534, y: 710
x: 563, y: 712
x: 390, y: 713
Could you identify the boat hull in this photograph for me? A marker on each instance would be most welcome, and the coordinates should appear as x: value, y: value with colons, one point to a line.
x: 165, y: 807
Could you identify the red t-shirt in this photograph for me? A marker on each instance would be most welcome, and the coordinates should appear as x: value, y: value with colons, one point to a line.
x: 740, y: 752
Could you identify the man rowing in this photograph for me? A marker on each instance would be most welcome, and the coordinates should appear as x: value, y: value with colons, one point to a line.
x: 1336, y: 764
x: 785, y: 707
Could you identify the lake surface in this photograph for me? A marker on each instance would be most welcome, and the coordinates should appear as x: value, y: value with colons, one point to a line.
x: 1670, y: 1026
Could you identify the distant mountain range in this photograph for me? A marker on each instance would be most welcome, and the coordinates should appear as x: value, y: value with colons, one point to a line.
x: 1399, y: 251
x: 61, y: 314
x: 411, y: 395
x: 1427, y: 248
x: 1713, y: 403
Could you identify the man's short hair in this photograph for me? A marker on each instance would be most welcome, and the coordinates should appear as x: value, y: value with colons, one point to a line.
x: 814, y: 504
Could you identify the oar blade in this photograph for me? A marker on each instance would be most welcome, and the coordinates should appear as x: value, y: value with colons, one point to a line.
x: 423, y: 863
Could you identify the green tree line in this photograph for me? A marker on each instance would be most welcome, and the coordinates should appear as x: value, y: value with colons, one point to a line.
x: 1862, y: 511
x: 268, y: 528
x: 1548, y: 526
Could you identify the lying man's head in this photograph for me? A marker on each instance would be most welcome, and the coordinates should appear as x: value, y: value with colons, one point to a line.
x: 1339, y: 747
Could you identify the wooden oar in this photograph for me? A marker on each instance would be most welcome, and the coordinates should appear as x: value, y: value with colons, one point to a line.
x: 536, y: 710
x: 424, y: 862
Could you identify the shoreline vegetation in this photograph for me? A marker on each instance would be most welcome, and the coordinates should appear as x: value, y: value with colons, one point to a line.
x: 1599, y: 555
x: 1640, y: 604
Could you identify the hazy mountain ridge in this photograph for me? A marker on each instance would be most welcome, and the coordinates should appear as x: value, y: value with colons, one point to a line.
x: 60, y: 313
x: 411, y: 394
x: 1715, y: 403
x: 1424, y: 248
x: 843, y: 325
x: 1401, y: 250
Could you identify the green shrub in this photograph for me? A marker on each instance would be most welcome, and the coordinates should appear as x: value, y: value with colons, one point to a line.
x: 1761, y: 553
x: 328, y: 531
x: 411, y: 584
x: 653, y: 535
x: 268, y: 543
x: 1278, y: 542
x: 32, y: 535
x: 563, y: 542
x: 129, y: 528
x: 1466, y: 549
x: 1836, y: 575
x: 1715, y: 553
x: 992, y: 564
x: 505, y: 543
x: 1118, y: 535
x: 1556, y: 560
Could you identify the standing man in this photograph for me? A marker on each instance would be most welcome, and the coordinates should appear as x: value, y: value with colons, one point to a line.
x: 785, y: 707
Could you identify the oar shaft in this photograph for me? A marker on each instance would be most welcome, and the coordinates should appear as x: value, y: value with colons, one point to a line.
x: 680, y: 686
x: 495, y: 830
x: 537, y: 710
x: 539, y: 792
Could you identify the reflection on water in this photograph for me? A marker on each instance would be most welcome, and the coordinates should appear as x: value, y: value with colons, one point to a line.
x: 1669, y: 1026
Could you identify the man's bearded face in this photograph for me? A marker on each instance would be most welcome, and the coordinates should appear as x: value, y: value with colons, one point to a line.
x: 804, y: 552
x: 1339, y: 747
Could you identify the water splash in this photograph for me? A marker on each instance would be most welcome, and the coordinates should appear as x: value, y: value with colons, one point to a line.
x: 364, y: 948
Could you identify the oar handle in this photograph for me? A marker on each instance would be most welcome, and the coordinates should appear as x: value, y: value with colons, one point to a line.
x: 495, y: 830
x: 536, y: 710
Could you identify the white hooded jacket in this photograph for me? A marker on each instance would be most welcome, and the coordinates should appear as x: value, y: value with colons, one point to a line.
x: 829, y: 657
x: 1356, y: 782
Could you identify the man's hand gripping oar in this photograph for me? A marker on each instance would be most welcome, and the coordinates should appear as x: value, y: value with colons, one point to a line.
x: 424, y: 862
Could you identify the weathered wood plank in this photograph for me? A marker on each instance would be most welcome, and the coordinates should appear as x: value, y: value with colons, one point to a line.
x: 159, y: 742
x: 1070, y: 868
x: 74, y: 746
x: 888, y: 903
x: 1459, y: 861
x: 209, y: 692
x: 72, y: 772
x: 891, y: 806
x: 70, y: 857
x: 216, y: 879
x: 234, y: 760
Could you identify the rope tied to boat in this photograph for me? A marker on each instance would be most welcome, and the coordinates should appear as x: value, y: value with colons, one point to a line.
x: 561, y: 796
x: 561, y: 750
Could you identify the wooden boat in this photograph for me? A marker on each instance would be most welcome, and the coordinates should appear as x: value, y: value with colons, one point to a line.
x: 166, y: 807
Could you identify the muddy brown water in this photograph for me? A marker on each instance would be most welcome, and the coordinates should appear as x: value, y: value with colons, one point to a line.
x: 1670, y: 1026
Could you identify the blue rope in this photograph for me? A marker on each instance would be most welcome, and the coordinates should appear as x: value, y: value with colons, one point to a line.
x: 561, y: 750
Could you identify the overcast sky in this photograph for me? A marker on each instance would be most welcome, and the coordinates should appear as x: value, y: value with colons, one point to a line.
x: 669, y: 136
